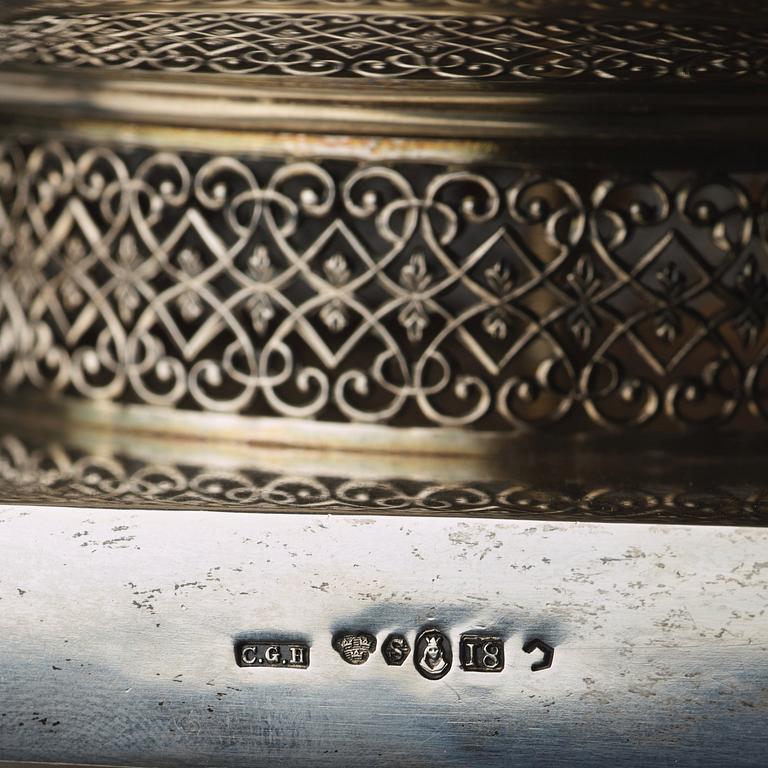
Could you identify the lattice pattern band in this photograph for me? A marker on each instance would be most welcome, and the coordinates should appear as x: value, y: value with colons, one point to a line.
x: 412, y: 294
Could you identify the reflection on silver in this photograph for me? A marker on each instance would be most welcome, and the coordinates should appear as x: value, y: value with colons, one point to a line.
x: 679, y: 484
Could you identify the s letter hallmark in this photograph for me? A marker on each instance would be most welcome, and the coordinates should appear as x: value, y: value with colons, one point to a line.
x: 395, y: 650
x: 268, y: 653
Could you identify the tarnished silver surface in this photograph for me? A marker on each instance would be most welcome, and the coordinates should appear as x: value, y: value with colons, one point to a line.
x: 253, y: 260
x: 117, y: 633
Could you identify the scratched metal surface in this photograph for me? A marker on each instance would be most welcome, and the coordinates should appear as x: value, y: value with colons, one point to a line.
x: 117, y: 631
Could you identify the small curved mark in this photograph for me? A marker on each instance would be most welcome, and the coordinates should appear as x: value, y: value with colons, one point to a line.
x: 547, y: 650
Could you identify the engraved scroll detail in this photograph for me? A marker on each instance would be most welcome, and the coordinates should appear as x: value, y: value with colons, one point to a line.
x: 406, y: 294
x: 392, y: 45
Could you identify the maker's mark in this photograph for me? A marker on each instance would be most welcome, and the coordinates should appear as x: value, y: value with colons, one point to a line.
x: 269, y: 653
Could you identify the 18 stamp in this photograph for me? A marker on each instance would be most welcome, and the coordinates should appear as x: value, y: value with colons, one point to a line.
x: 432, y: 652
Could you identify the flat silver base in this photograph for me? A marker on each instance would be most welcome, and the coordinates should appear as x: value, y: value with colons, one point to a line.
x: 118, y: 628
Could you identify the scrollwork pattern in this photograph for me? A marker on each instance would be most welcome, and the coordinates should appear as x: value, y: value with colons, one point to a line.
x: 390, y: 45
x: 409, y: 293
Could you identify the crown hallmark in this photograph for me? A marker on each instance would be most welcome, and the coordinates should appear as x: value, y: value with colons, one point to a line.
x: 355, y: 648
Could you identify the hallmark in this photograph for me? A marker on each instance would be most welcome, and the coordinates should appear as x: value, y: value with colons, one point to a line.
x: 355, y: 648
x: 548, y: 654
x: 395, y: 650
x: 481, y: 653
x: 432, y: 652
x: 268, y: 653
x: 432, y: 655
